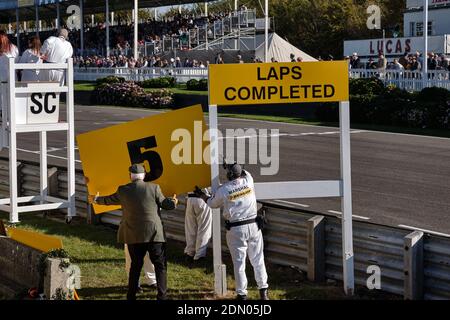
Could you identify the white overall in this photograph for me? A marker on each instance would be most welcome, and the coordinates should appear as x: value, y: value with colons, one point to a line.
x: 197, y: 227
x: 238, y: 200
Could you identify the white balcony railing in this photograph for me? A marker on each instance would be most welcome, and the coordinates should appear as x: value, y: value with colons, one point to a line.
x: 408, y: 80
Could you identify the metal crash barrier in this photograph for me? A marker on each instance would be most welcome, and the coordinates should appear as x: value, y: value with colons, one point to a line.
x: 305, y: 240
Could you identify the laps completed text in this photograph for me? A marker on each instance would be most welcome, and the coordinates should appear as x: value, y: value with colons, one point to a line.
x: 282, y: 92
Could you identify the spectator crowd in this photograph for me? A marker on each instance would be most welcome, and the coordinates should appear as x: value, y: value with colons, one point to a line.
x: 407, y: 62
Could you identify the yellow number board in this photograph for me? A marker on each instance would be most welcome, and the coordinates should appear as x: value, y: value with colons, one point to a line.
x: 38, y: 241
x: 106, y: 154
x: 265, y: 83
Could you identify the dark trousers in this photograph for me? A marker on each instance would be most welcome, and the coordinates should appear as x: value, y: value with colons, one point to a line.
x: 157, y: 253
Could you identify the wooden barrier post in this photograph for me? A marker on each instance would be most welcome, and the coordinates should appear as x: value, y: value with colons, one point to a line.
x: 413, y: 266
x: 316, y: 248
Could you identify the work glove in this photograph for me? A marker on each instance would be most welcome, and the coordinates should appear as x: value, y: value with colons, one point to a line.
x: 201, y: 194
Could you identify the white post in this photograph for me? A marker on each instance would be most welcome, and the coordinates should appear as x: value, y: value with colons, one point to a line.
x: 156, y: 14
x: 206, y: 37
x: 346, y: 200
x: 107, y: 27
x: 92, y: 20
x: 135, y: 18
x: 58, y: 16
x: 13, y: 213
x: 220, y: 284
x: 112, y: 18
x: 425, y: 40
x: 25, y: 29
x: 231, y: 22
x: 36, y: 23
x: 266, y: 31
x: 43, y: 164
x: 206, y: 9
x: 70, y: 141
x: 18, y: 28
x: 82, y: 27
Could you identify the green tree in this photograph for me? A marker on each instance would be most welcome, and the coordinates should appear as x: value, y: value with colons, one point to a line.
x: 319, y: 27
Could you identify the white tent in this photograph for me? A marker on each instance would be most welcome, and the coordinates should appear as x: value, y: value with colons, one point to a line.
x: 279, y: 49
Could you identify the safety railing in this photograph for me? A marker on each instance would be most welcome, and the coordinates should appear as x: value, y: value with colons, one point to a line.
x: 140, y: 74
x: 412, y: 264
x: 405, y: 79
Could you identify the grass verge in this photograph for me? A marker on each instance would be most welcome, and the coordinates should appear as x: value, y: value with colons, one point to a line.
x: 101, y: 260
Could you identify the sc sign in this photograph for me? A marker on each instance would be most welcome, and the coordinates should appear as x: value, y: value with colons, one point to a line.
x: 43, y: 107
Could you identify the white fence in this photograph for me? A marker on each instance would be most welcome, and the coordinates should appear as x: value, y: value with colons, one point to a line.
x: 141, y: 74
x: 408, y: 80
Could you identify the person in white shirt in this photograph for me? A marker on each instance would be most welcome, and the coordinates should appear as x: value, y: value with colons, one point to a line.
x: 31, y: 55
x: 197, y: 227
x: 7, y: 50
x: 397, y: 65
x: 244, y: 237
x: 56, y: 50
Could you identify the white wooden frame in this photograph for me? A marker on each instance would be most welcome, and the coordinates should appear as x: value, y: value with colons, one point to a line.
x: 10, y: 129
x: 288, y: 190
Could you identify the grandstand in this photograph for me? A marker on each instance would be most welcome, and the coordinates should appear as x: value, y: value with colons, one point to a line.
x: 235, y: 30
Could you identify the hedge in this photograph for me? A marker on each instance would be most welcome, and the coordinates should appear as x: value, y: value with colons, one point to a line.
x: 110, y: 80
x: 130, y: 94
x: 373, y: 103
x: 162, y: 82
x: 195, y: 85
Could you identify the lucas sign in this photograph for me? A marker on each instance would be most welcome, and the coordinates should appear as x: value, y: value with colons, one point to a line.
x: 106, y: 154
x: 241, y: 84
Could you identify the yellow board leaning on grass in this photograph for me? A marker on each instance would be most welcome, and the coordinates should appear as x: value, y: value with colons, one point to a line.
x: 266, y: 83
x: 106, y: 154
x: 38, y: 241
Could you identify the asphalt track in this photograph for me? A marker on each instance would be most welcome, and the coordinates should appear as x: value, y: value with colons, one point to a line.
x: 397, y: 179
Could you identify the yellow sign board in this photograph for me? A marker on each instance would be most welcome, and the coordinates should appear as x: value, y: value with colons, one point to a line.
x: 266, y: 83
x: 172, y: 147
x: 38, y: 241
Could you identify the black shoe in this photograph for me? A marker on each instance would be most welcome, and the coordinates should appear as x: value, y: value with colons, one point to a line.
x: 188, y: 259
x: 241, y: 297
x: 264, y: 294
x: 200, y: 260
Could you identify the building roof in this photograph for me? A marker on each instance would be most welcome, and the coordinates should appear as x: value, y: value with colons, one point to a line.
x: 47, y: 8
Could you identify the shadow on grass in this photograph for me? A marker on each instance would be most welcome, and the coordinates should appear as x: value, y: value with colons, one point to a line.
x: 103, y: 260
x: 120, y: 292
x: 114, y: 292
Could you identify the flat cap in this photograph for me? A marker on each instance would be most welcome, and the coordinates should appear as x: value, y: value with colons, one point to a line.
x: 137, y: 168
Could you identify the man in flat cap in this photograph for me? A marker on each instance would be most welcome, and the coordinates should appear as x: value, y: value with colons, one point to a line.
x: 141, y: 228
x: 56, y: 50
